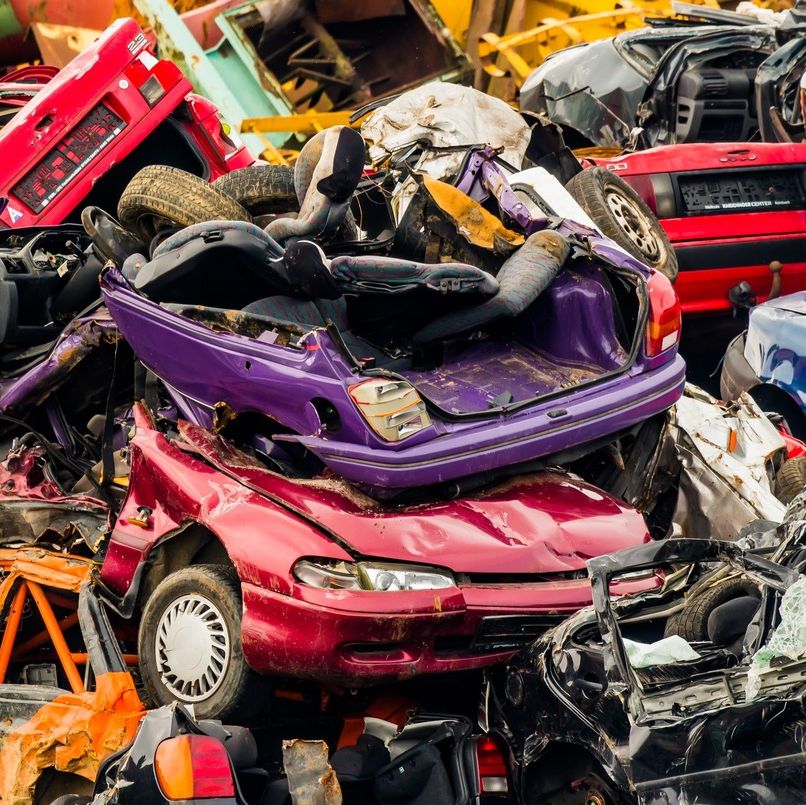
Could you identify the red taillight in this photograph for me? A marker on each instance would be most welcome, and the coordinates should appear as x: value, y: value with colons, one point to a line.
x: 795, y: 448
x: 491, y: 763
x: 663, y: 325
x: 193, y: 767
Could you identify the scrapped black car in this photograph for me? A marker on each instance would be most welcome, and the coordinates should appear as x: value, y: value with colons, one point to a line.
x: 680, y: 81
x: 174, y: 757
x: 598, y: 712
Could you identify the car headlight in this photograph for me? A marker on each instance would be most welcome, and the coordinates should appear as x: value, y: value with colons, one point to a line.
x: 378, y: 576
x: 393, y: 408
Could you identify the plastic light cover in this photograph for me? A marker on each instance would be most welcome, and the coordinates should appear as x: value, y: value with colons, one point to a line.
x: 375, y: 576
x: 393, y: 408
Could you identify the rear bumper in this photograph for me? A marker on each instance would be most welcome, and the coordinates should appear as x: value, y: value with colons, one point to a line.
x: 482, y: 446
x: 737, y: 374
x: 705, y: 290
x: 364, y: 638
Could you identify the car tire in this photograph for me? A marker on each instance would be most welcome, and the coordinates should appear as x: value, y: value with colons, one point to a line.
x: 159, y: 196
x: 624, y: 217
x: 261, y: 189
x: 790, y: 480
x: 189, y: 642
x: 691, y: 623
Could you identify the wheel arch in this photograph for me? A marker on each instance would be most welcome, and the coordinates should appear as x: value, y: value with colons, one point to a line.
x: 192, y: 544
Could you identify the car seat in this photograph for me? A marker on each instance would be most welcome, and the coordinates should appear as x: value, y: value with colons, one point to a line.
x: 326, y: 175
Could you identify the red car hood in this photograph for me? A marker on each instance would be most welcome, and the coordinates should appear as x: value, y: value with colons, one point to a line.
x: 547, y: 523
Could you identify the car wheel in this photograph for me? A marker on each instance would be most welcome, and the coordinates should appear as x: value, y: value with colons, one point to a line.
x: 691, y: 623
x: 624, y: 217
x: 261, y: 189
x: 790, y: 480
x: 159, y: 196
x: 190, y: 645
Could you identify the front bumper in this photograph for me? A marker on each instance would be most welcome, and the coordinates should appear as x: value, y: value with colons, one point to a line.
x: 360, y: 638
x: 482, y: 446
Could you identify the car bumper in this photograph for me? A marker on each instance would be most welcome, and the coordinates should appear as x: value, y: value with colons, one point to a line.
x: 565, y: 423
x: 360, y: 638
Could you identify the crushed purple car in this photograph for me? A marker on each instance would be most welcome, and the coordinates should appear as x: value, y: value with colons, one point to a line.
x: 396, y: 373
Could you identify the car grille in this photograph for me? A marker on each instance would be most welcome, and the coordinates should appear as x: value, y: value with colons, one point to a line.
x: 504, y: 632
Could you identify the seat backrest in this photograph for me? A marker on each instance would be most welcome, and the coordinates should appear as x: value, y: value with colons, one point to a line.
x: 226, y: 269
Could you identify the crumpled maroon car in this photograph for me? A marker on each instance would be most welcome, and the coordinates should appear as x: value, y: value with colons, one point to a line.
x: 232, y: 569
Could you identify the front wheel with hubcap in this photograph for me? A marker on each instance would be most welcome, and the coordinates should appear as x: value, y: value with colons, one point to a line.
x: 190, y: 647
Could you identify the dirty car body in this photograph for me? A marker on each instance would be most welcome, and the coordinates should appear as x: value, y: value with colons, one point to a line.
x: 663, y: 85
x: 80, y: 134
x: 679, y: 731
x: 767, y: 360
x: 500, y: 565
x: 729, y: 209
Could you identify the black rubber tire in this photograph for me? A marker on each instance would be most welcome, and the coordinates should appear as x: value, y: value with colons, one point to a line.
x: 159, y: 196
x: 261, y: 189
x: 591, y: 188
x: 240, y: 695
x: 790, y: 480
x: 691, y: 623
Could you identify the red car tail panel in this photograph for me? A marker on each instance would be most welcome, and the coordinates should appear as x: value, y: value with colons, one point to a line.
x: 91, y: 115
x: 729, y: 210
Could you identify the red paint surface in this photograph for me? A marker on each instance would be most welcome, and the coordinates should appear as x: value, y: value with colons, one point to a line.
x: 112, y: 72
x: 543, y: 526
x: 705, y: 290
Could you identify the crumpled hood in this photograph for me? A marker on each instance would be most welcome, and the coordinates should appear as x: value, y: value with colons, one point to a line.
x: 548, y: 522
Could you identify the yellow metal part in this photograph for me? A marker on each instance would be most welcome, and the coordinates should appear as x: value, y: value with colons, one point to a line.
x: 304, y: 124
x: 75, y: 731
x: 456, y: 15
x: 474, y: 223
x: 536, y: 29
x: 308, y: 123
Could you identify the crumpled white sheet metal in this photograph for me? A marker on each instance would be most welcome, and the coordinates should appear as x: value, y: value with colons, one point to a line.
x: 722, y: 489
x: 443, y: 115
x: 787, y: 641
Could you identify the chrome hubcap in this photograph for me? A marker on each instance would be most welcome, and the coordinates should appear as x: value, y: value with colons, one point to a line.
x: 634, y: 225
x: 192, y: 648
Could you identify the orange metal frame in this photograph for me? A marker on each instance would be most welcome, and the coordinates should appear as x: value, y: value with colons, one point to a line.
x: 53, y: 632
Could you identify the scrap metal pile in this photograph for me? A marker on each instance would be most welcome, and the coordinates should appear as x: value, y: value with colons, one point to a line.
x: 380, y: 476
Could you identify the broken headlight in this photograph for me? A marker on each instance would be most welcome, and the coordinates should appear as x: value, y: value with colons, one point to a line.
x: 393, y: 408
x: 377, y: 576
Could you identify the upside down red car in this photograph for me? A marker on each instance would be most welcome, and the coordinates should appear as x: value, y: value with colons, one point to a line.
x: 80, y: 134
x: 729, y: 209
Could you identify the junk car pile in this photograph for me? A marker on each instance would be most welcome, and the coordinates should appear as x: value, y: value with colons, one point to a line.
x: 296, y: 461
